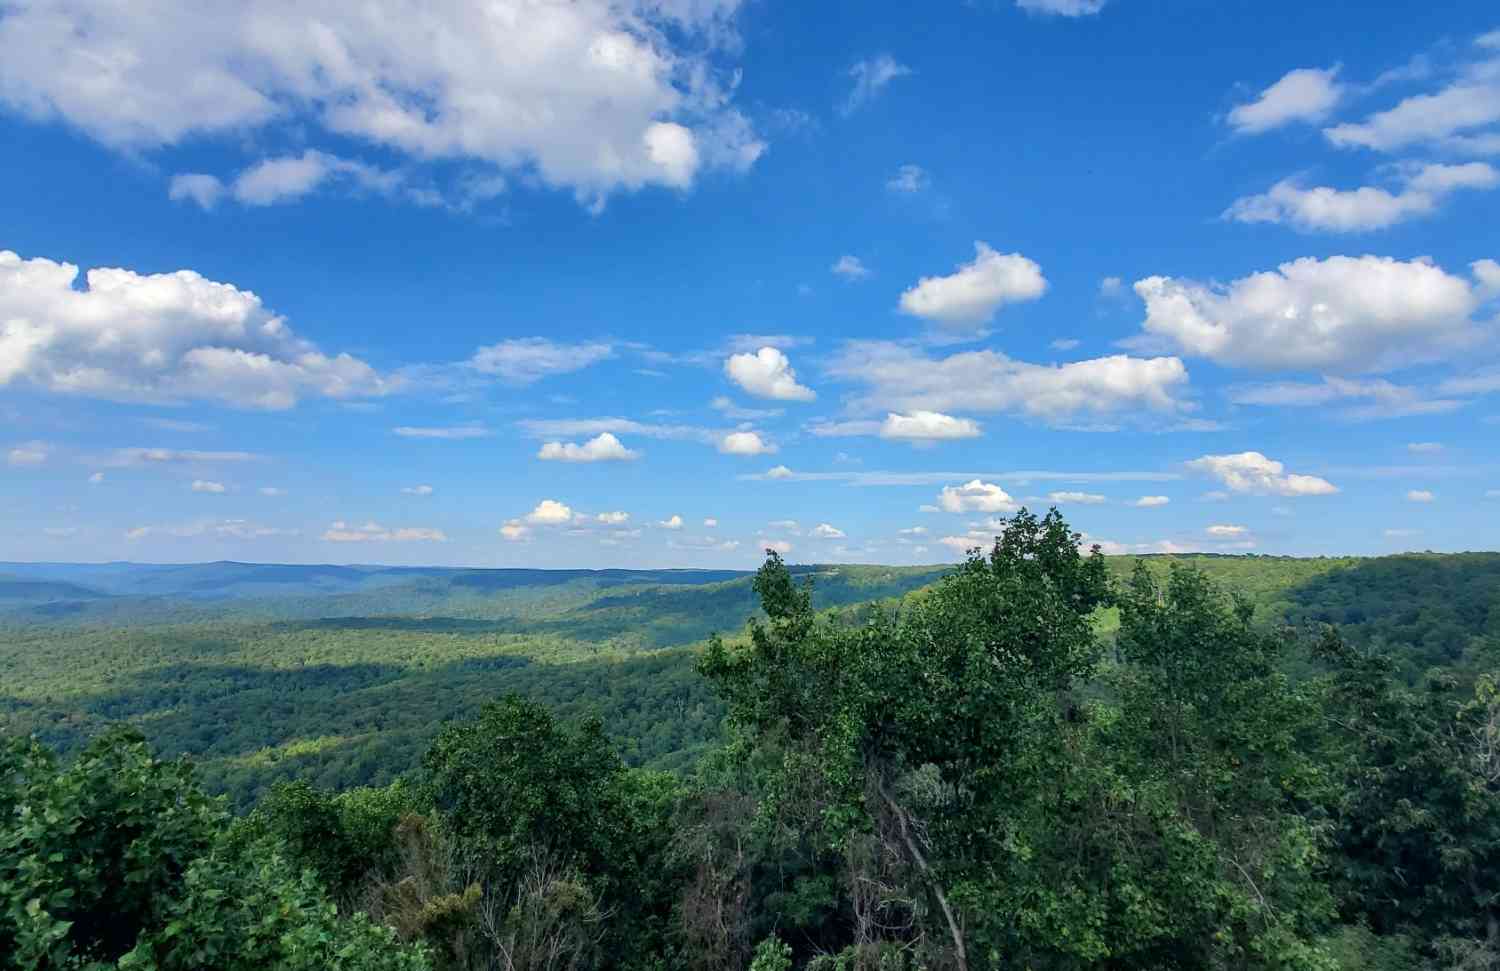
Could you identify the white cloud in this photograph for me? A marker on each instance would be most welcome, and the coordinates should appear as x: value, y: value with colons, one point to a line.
x: 129, y: 457
x: 779, y: 545
x: 514, y: 531
x: 526, y: 360
x: 1420, y: 495
x: 96, y: 479
x: 909, y: 178
x: 779, y: 472
x: 844, y: 429
x: 602, y: 448
x: 1459, y: 117
x: 1227, y: 532
x: 1306, y: 94
x: 825, y: 531
x: 209, y: 486
x: 417, y: 490
x: 902, y: 379
x: 501, y: 87
x: 850, y: 268
x: 976, y: 496
x: 871, y: 78
x: 1149, y: 502
x: 767, y: 374
x: 1077, y: 498
x: 554, y: 427
x: 1111, y: 287
x: 163, y: 338
x: 710, y: 523
x: 456, y: 433
x: 1424, y: 448
x: 28, y: 454
x: 372, y: 532
x: 550, y: 512
x: 1357, y: 210
x: 1062, y: 8
x: 1382, y: 399
x: 242, y: 529
x: 726, y: 407
x: 913, y: 531
x: 278, y: 180
x: 928, y: 426
x: 1487, y: 272
x: 671, y: 522
x: 745, y: 443
x: 613, y: 518
x: 271, y: 491
x: 205, y: 190
x: 1340, y: 314
x: 968, y: 298
x: 1252, y: 472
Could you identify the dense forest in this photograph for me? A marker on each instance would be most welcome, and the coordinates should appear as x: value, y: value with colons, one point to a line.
x: 1040, y: 759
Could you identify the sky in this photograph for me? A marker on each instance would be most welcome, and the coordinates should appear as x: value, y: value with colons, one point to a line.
x: 671, y: 282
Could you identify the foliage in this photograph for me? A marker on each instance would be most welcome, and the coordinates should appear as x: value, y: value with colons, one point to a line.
x: 1046, y: 760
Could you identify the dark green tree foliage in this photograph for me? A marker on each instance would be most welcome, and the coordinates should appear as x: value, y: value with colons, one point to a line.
x: 946, y: 756
x: 1417, y: 804
x: 90, y: 853
x: 118, y: 857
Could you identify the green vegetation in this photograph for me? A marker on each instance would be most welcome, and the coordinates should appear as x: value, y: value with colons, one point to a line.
x: 1043, y: 760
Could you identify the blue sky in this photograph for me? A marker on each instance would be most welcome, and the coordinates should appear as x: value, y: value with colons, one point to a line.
x: 664, y: 282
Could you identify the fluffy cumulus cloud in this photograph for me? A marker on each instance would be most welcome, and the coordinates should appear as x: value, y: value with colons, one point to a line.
x: 767, y: 374
x: 671, y: 522
x: 976, y: 496
x: 526, y: 360
x: 163, y: 338
x: 1062, y: 8
x: 927, y: 426
x: 594, y: 96
x: 825, y: 531
x: 779, y: 472
x: 550, y: 512
x: 602, y: 448
x: 745, y: 443
x: 1227, y: 532
x: 1150, y: 502
x: 869, y: 78
x: 900, y: 378
x: 968, y: 298
x: 1420, y: 495
x: 1305, y: 95
x: 1325, y: 209
x: 28, y: 454
x: 1254, y: 473
x: 209, y: 486
x: 1337, y: 314
x: 373, y: 532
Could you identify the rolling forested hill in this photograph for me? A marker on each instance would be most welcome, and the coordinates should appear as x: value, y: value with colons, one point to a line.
x: 342, y: 675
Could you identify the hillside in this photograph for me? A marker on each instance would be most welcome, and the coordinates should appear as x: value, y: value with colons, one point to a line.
x: 342, y: 675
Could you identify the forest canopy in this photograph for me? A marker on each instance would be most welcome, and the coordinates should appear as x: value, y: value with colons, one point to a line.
x: 980, y: 774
